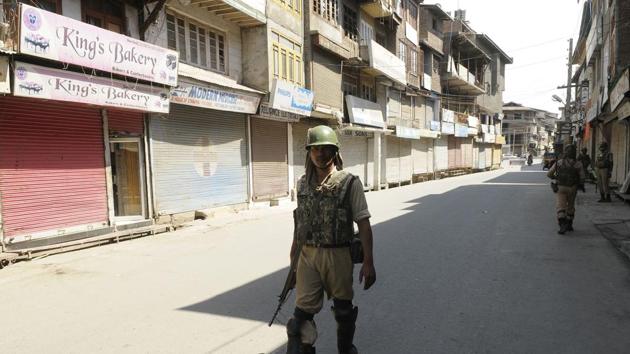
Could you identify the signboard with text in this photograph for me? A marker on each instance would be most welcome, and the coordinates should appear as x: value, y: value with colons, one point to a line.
x: 214, y: 98
x: 364, y: 112
x: 286, y: 96
x: 48, y: 35
x: 62, y: 85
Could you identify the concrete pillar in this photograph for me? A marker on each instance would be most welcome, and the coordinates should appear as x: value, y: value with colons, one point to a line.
x: 377, y: 161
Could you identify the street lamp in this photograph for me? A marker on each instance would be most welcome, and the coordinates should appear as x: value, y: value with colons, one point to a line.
x: 557, y: 99
x: 567, y: 114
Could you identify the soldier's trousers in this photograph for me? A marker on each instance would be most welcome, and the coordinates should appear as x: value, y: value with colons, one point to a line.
x: 565, y: 202
x: 603, y: 180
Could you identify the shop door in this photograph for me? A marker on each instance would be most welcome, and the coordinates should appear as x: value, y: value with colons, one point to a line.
x: 127, y: 177
x: 270, y: 168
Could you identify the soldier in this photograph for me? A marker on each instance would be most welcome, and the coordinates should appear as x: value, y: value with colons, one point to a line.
x: 570, y: 176
x: 604, y: 164
x: 329, y: 200
x: 585, y: 160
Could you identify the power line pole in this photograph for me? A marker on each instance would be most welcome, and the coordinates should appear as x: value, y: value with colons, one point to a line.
x: 567, y: 103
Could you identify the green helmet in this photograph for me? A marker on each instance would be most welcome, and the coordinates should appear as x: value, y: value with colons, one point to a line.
x: 321, y: 135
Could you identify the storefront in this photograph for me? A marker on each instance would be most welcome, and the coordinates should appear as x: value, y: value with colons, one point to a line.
x: 422, y: 153
x: 72, y: 169
x: 200, y: 150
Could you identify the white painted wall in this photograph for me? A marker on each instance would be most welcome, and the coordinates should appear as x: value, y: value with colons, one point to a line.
x: 71, y: 8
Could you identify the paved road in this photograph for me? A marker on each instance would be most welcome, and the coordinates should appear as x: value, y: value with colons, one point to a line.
x: 470, y: 264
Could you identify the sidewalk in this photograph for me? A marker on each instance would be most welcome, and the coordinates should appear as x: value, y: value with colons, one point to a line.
x: 611, y: 219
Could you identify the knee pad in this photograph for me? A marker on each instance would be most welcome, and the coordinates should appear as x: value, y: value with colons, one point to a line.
x: 344, y: 311
x: 306, y: 331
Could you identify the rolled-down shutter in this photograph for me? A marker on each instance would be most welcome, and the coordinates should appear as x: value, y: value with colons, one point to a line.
x: 482, y: 157
x: 51, y: 166
x: 125, y: 122
x: 270, y: 168
x: 354, y: 151
x: 393, y: 160
x: 419, y: 156
x: 298, y: 132
x: 199, y: 159
x: 467, y: 152
x: 452, y: 151
x: 406, y: 164
x: 488, y: 156
x: 441, y: 153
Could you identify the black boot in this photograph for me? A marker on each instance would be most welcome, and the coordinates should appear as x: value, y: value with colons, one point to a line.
x: 608, y: 200
x: 562, y: 222
x: 602, y: 198
x: 346, y: 319
x: 569, y: 224
x: 294, y: 343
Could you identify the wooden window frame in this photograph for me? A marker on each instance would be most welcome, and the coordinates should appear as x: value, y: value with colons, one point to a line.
x: 282, y: 55
x: 292, y: 6
x: 408, y: 10
x: 215, y: 42
x: 122, y: 22
x: 328, y: 10
x: 350, y: 23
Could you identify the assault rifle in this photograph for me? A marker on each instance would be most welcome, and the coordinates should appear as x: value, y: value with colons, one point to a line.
x: 289, y: 283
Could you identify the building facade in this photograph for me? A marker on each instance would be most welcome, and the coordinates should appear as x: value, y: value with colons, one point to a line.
x: 527, y: 130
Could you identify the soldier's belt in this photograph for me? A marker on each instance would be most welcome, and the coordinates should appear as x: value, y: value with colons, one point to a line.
x: 322, y: 245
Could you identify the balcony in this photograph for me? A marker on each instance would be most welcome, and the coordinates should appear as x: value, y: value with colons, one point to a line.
x: 245, y: 13
x: 382, y: 62
x: 378, y: 8
x: 594, y: 39
x: 459, y: 79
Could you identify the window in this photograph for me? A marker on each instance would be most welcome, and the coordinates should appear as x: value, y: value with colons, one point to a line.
x: 366, y: 32
x: 295, y: 6
x: 327, y: 9
x: 402, y: 51
x: 350, y: 28
x: 287, y: 59
x: 412, y: 14
x: 196, y: 45
x: 109, y: 15
x: 349, y: 88
x: 436, y: 25
x: 48, y: 5
x: 518, y: 116
x: 428, y: 63
x: 413, y: 62
x: 367, y: 91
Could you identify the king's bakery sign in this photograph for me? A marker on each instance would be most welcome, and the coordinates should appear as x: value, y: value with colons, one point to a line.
x: 48, y: 35
x: 62, y: 85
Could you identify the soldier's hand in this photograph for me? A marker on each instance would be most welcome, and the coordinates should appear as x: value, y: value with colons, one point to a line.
x: 369, y: 273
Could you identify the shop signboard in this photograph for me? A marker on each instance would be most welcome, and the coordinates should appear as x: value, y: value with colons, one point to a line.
x: 41, y: 82
x: 48, y: 35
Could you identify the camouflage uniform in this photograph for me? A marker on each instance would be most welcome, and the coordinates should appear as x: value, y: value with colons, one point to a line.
x: 569, y: 174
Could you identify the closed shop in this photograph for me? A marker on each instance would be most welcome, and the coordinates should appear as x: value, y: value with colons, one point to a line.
x: 422, y: 156
x: 392, y: 162
x: 199, y: 159
x: 619, y: 147
x: 482, y: 157
x: 399, y: 164
x: 355, y: 153
x: 467, y: 153
x: 270, y: 168
x: 496, y: 156
x: 441, y: 153
x: 52, y: 176
x: 488, y: 159
x: 299, y: 131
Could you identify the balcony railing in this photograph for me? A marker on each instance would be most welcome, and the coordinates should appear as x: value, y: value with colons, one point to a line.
x: 459, y: 78
x: 383, y: 62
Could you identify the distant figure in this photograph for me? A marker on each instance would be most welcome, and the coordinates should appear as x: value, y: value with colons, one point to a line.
x: 569, y: 174
x: 604, y: 164
x: 585, y: 159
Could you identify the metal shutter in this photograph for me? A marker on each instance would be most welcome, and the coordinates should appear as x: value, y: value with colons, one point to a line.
x: 393, y: 160
x: 482, y: 157
x: 452, y: 152
x: 496, y: 156
x: 299, y: 131
x: 270, y: 168
x: 419, y: 156
x: 327, y: 79
x: 131, y: 122
x: 199, y: 159
x: 618, y: 149
x: 467, y: 153
x: 441, y: 153
x: 354, y: 151
x: 488, y: 150
x: 51, y: 166
x: 406, y: 164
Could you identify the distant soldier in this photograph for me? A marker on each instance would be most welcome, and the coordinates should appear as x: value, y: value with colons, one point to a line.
x: 569, y: 174
x: 585, y: 159
x: 329, y: 201
x: 604, y: 164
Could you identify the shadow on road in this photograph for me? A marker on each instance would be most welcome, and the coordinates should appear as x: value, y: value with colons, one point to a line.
x: 446, y: 269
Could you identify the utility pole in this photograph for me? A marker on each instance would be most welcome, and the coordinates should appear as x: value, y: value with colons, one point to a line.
x: 567, y: 103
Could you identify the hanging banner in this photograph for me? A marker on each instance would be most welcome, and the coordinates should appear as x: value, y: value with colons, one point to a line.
x: 448, y: 116
x: 48, y: 35
x: 214, y: 98
x: 473, y: 121
x: 62, y: 85
x: 407, y: 133
x: 448, y: 128
x: 435, y: 125
x: 461, y: 131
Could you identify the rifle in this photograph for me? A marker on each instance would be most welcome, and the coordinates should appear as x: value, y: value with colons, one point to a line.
x: 289, y: 283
